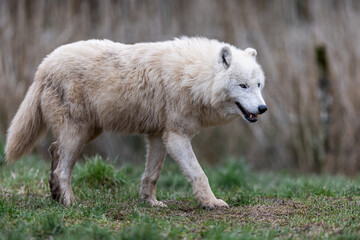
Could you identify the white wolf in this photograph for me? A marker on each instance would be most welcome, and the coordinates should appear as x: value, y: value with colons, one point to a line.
x: 166, y: 90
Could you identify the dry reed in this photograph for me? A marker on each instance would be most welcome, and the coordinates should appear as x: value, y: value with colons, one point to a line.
x: 312, y: 122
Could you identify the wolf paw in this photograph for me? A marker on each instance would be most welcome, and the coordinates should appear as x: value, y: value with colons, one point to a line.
x: 156, y: 203
x: 68, y: 200
x: 58, y: 194
x: 216, y: 203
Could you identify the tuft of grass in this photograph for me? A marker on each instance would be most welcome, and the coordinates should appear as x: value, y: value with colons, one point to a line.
x: 98, y: 172
x: 232, y: 174
x: 262, y: 205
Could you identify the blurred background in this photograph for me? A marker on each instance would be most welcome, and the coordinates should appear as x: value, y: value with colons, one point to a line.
x: 309, y: 50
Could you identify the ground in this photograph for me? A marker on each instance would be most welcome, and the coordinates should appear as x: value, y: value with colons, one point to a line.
x: 262, y: 205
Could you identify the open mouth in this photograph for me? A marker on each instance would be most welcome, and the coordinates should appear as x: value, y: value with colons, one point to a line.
x: 247, y: 115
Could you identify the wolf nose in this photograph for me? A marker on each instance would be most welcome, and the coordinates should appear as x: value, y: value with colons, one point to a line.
x: 262, y: 109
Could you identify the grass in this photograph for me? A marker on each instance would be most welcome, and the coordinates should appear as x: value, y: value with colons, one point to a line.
x: 263, y: 205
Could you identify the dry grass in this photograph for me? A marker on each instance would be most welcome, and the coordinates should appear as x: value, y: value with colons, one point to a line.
x: 309, y: 126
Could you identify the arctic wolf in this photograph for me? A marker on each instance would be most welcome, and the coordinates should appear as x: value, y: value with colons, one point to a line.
x: 166, y: 90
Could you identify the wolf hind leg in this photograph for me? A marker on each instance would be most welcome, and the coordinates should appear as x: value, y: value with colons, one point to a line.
x: 155, y: 157
x: 64, y: 154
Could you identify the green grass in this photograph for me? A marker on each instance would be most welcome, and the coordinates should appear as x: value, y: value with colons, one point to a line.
x: 263, y: 205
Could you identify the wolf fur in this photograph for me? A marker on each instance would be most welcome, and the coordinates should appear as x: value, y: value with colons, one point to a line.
x: 168, y: 91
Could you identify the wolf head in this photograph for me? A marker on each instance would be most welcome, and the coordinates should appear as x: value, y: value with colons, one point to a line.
x: 240, y: 80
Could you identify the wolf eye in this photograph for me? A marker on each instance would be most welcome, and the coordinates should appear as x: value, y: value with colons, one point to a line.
x: 243, y: 85
x: 258, y: 84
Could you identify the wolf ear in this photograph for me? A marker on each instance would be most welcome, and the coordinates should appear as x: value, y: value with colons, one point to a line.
x: 252, y: 52
x: 225, y: 57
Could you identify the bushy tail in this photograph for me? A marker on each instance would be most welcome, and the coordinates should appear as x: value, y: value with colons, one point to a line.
x: 27, y: 125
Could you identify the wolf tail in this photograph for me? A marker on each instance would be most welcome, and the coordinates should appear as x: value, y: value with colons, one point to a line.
x: 27, y: 125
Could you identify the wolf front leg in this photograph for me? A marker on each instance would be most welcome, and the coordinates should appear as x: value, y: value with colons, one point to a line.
x: 179, y: 147
x: 155, y: 157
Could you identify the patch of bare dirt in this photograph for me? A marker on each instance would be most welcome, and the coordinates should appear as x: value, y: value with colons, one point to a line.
x: 275, y: 211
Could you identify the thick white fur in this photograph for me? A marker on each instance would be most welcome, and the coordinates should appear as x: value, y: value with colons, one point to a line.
x: 166, y: 90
